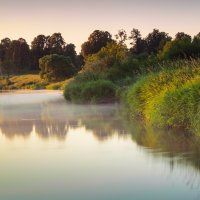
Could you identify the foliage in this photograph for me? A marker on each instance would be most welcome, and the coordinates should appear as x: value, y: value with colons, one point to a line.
x: 55, y: 44
x: 38, y: 46
x: 6, y: 67
x: 156, y: 40
x: 182, y: 47
x: 56, y: 67
x: 107, y: 58
x: 139, y: 45
x: 94, y: 91
x: 18, y: 52
x: 121, y: 37
x: 180, y: 107
x: 96, y: 41
x: 152, y: 96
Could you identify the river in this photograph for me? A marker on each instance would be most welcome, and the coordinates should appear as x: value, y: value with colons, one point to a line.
x: 53, y: 150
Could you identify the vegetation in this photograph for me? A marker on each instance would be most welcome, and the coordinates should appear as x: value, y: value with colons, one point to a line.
x: 169, y: 98
x: 157, y: 77
x: 56, y: 68
x: 96, y: 41
x: 89, y: 87
x: 29, y: 81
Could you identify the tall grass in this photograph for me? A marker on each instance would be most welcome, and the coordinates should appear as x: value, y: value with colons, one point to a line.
x: 169, y: 98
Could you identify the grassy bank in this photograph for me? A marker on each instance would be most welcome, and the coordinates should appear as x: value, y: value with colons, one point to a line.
x: 169, y: 98
x: 29, y: 81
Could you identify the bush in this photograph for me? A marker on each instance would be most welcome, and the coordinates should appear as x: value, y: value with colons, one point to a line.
x: 72, y: 92
x: 102, y: 91
x: 93, y: 91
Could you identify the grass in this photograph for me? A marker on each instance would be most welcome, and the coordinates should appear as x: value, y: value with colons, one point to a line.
x: 29, y: 81
x: 169, y: 98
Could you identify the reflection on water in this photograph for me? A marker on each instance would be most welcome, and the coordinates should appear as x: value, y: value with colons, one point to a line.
x: 50, y: 116
x: 53, y: 150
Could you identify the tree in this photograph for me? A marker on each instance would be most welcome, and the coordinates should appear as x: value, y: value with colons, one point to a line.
x: 24, y: 54
x: 121, y: 36
x: 139, y: 45
x: 7, y: 67
x: 183, y: 36
x: 19, y: 54
x: 54, y: 44
x: 196, y: 44
x: 177, y: 49
x: 181, y: 47
x: 108, y: 57
x: 56, y: 67
x: 156, y: 40
x: 4, y: 46
x: 96, y: 41
x: 69, y: 51
x: 38, y: 46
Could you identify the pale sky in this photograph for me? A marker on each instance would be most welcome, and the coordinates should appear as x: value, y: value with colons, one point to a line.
x: 77, y: 19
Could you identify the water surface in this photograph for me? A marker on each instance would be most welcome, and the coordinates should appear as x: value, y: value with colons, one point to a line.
x: 53, y: 150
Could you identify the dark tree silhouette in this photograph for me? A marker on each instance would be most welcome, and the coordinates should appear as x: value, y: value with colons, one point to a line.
x: 19, y: 54
x: 4, y: 46
x: 139, y: 45
x: 121, y: 36
x: 96, y: 41
x: 156, y: 40
x: 55, y: 44
x: 69, y: 51
x: 183, y: 36
x: 38, y: 46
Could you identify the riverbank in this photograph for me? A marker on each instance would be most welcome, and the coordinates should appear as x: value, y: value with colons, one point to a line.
x: 164, y: 98
x: 29, y: 82
x: 167, y: 99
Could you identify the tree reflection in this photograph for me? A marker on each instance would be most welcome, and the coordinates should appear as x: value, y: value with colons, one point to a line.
x: 103, y: 127
x: 16, y: 128
x: 46, y: 129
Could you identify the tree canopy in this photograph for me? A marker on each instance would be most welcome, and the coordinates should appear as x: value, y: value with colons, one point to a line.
x: 96, y: 41
x: 56, y: 67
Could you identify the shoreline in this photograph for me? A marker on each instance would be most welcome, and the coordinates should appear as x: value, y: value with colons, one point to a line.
x: 24, y: 91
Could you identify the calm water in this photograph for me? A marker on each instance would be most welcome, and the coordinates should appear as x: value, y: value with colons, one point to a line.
x: 51, y: 150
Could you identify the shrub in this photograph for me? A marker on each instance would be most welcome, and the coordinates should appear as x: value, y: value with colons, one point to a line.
x: 72, y: 92
x: 93, y: 91
x: 98, y: 91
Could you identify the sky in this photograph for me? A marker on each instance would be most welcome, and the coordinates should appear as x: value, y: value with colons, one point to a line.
x: 77, y: 19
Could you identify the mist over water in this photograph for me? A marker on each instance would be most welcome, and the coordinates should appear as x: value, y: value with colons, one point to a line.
x: 51, y: 149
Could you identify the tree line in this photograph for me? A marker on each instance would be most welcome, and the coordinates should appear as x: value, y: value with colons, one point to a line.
x: 18, y: 56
